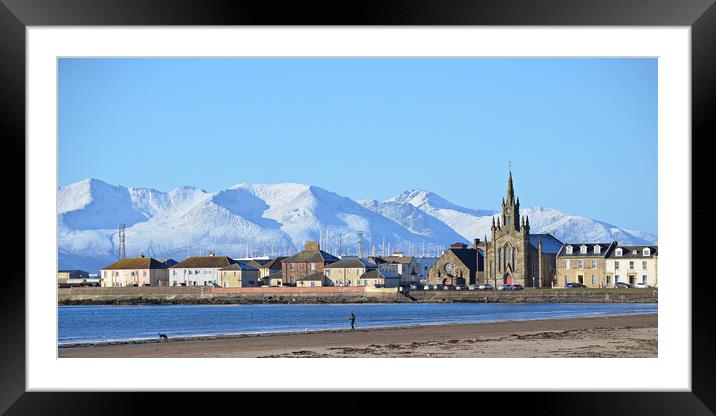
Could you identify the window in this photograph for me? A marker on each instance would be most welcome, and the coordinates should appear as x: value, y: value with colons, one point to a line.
x: 594, y: 264
x: 616, y: 278
x: 566, y: 279
x: 567, y: 264
x: 618, y: 252
x: 581, y: 263
x: 583, y: 249
x: 313, y: 266
x: 643, y: 279
x: 609, y: 280
x: 568, y: 249
x: 631, y: 265
x: 597, y: 249
x: 647, y: 251
x: 616, y: 265
x: 594, y: 280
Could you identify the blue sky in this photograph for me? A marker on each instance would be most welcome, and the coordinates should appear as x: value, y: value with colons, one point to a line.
x: 581, y: 134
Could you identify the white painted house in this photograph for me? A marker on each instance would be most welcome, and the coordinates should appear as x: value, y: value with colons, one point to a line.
x: 633, y: 265
x: 199, y: 271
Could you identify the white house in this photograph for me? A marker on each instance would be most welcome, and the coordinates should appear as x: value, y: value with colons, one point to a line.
x: 633, y: 265
x: 199, y: 271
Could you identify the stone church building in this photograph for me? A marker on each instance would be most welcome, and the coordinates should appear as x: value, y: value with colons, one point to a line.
x: 513, y: 255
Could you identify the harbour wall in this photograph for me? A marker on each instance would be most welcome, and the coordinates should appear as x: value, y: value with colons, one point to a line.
x: 356, y: 294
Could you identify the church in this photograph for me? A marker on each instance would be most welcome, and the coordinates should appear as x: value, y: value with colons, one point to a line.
x: 514, y: 256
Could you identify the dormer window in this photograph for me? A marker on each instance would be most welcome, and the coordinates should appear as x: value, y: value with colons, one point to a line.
x: 647, y: 251
x: 597, y: 249
x: 569, y: 249
x: 634, y: 252
x: 618, y: 252
x: 583, y: 249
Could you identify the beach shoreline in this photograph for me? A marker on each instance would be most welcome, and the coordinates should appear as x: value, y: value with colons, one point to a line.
x: 613, y: 336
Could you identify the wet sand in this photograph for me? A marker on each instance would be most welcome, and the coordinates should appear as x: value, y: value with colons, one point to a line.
x: 617, y: 336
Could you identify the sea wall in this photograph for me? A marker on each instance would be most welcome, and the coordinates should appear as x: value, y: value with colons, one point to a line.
x: 211, y: 295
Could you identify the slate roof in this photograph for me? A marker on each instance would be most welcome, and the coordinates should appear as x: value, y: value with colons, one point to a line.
x: 277, y: 275
x: 311, y: 256
x: 376, y: 259
x: 468, y: 257
x: 550, y: 245
x: 351, y: 263
x: 379, y: 274
x: 239, y: 266
x: 204, y: 261
x: 627, y: 250
x: 577, y: 247
x: 398, y: 259
x: 274, y: 263
x: 251, y: 262
x: 312, y: 277
x: 136, y: 263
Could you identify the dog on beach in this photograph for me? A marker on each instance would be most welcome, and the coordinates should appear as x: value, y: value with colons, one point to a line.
x: 163, y: 336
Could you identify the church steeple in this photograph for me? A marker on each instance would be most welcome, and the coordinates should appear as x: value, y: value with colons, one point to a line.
x: 510, y: 189
x: 511, y: 206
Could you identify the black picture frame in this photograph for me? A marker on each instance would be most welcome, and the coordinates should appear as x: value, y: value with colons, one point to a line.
x: 699, y: 15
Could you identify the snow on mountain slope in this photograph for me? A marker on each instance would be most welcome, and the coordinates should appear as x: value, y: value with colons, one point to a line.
x: 92, y: 205
x: 188, y: 221
x: 278, y: 218
x: 469, y: 223
x: 414, y: 219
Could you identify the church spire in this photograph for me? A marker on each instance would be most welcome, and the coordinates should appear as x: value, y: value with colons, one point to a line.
x: 510, y: 189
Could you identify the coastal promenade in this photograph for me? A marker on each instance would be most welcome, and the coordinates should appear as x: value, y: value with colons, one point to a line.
x: 355, y: 294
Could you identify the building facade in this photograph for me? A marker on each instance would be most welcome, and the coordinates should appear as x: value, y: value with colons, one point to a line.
x: 584, y: 263
x: 633, y: 265
x: 199, y: 271
x: 307, y: 262
x: 459, y: 265
x: 270, y: 267
x: 317, y: 279
x: 347, y: 271
x: 513, y: 255
x: 379, y: 278
x: 239, y: 275
x: 139, y: 271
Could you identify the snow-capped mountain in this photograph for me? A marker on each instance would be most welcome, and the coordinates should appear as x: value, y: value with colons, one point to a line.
x: 472, y: 223
x: 277, y: 219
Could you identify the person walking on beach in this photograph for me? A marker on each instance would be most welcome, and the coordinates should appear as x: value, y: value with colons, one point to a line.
x: 352, y: 318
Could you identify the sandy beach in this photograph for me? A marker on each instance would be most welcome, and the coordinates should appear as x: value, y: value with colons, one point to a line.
x: 618, y: 336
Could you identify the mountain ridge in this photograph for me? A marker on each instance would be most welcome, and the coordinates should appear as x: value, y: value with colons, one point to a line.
x: 278, y: 218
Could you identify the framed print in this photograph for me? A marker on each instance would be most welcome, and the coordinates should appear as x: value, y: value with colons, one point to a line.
x: 221, y: 188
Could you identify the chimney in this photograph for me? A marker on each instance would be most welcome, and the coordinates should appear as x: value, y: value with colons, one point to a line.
x: 312, y: 245
x: 211, y: 254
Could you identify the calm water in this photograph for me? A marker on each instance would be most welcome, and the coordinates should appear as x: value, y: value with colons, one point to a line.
x: 114, y: 323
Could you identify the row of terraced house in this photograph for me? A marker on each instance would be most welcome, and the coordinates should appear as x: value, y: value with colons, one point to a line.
x: 311, y: 267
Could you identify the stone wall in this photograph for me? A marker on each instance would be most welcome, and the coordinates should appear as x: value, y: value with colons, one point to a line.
x: 209, y: 295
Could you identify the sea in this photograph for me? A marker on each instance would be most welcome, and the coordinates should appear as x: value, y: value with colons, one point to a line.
x: 110, y: 323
